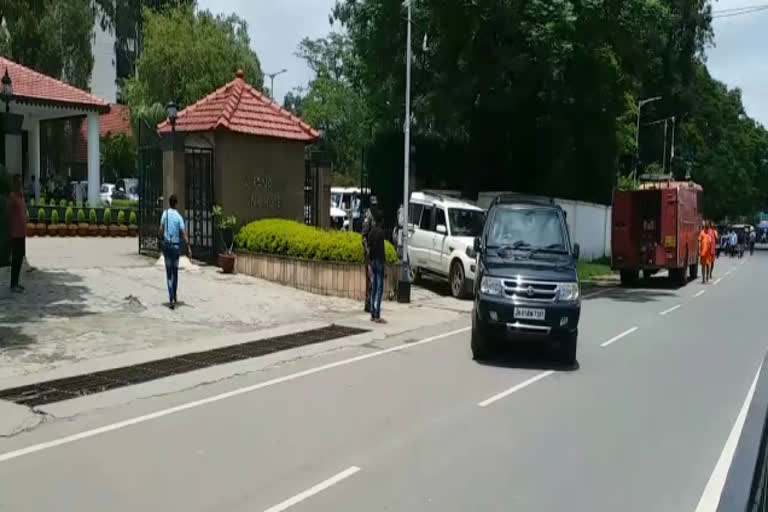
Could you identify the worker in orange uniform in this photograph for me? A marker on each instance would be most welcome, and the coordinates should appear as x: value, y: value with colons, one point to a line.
x: 705, y: 251
x: 715, y: 237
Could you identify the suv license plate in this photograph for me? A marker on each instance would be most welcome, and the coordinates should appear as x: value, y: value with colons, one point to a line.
x: 529, y: 314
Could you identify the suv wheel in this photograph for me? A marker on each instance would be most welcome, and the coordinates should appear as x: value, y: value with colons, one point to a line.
x: 458, y: 281
x: 481, y: 345
x: 414, y: 274
x: 568, y: 351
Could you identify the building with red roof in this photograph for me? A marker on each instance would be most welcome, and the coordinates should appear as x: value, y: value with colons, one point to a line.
x: 255, y: 151
x: 37, y: 97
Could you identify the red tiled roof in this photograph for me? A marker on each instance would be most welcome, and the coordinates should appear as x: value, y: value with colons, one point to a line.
x: 240, y: 108
x: 33, y: 87
x: 117, y: 121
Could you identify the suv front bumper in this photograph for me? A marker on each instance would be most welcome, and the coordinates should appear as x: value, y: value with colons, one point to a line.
x: 496, y: 316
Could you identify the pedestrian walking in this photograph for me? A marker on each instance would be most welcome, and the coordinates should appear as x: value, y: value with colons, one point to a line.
x: 378, y: 260
x: 357, y: 220
x: 17, y: 218
x: 713, y: 248
x: 752, y: 240
x: 172, y: 233
x: 368, y: 224
x: 705, y: 252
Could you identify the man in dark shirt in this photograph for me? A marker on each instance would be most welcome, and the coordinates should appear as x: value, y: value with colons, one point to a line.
x: 368, y: 224
x: 17, y: 216
x: 377, y: 252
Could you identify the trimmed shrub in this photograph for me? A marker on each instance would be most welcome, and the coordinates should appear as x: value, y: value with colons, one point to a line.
x: 63, y: 203
x: 121, y: 218
x: 52, y: 203
x: 41, y: 216
x: 132, y: 220
x: 55, y: 217
x: 32, y: 202
x: 69, y: 216
x: 289, y: 238
x: 124, y: 203
x: 71, y: 204
x: 27, y: 216
x: 81, y: 216
x: 92, y: 218
x: 107, y: 217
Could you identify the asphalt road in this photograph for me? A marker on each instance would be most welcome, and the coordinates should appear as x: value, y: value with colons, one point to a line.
x: 416, y: 425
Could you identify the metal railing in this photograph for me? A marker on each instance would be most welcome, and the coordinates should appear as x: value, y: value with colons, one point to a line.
x: 746, y: 486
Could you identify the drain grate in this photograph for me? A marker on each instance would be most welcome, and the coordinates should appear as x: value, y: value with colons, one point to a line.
x: 90, y: 383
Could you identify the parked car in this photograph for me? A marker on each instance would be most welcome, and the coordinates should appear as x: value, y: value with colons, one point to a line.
x: 527, y: 285
x: 107, y: 189
x: 126, y: 189
x: 440, y: 240
x: 339, y: 218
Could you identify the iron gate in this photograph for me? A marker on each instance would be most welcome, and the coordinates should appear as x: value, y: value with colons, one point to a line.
x: 150, y: 190
x: 198, y: 165
x: 310, y: 193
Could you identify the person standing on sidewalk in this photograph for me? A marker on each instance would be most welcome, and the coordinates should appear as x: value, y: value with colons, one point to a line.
x: 378, y: 261
x: 17, y: 219
x: 368, y: 224
x: 173, y: 232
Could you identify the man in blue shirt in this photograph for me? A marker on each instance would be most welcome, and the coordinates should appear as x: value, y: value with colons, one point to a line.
x: 173, y: 232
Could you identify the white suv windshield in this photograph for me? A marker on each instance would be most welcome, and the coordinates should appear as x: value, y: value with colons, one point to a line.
x: 535, y: 228
x: 466, y: 222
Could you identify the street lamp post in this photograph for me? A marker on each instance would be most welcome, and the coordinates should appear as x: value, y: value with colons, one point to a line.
x: 272, y: 81
x: 404, y: 295
x: 640, y: 105
x: 173, y: 114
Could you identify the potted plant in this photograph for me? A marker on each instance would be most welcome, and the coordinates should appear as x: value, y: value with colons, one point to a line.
x: 122, y: 229
x: 93, y: 224
x: 63, y: 203
x: 106, y: 229
x: 52, y: 203
x: 225, y: 225
x: 69, y: 218
x: 42, y: 229
x: 31, y: 228
x: 53, y: 228
x: 133, y: 227
x: 82, y: 226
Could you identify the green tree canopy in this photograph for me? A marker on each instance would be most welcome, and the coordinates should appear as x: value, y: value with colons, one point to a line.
x: 188, y: 55
x: 49, y: 36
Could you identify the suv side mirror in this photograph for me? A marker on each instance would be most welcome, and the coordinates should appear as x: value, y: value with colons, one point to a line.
x: 442, y: 229
x: 576, y: 251
x: 478, y: 245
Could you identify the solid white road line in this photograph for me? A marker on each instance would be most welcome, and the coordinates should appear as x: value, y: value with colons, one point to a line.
x: 223, y: 396
x: 700, y: 293
x: 525, y: 384
x: 717, y: 281
x: 710, y: 499
x: 668, y: 311
x: 618, y: 337
x: 314, y: 490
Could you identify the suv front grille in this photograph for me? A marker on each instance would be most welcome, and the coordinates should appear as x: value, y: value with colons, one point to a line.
x: 533, y: 291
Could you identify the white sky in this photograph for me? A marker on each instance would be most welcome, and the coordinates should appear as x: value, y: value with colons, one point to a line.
x: 738, y: 58
x: 277, y: 27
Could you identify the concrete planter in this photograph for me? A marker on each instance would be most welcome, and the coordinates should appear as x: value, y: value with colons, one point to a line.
x: 322, y: 277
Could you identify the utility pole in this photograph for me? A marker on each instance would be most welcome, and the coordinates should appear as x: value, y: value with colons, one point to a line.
x: 404, y: 279
x: 640, y: 105
x: 664, y: 158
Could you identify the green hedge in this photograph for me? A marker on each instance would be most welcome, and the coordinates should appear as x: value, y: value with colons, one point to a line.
x: 124, y: 203
x: 288, y: 238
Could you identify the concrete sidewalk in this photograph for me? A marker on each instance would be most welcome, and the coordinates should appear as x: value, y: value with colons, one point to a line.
x: 94, y: 304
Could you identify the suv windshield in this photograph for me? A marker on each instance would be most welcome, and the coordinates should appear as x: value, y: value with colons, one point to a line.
x: 466, y: 222
x: 535, y: 228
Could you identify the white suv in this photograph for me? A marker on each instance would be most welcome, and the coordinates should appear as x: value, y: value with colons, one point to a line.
x: 441, y: 239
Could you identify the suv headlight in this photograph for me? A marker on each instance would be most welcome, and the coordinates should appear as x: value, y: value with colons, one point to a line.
x: 568, y: 292
x: 491, y: 286
x: 471, y: 253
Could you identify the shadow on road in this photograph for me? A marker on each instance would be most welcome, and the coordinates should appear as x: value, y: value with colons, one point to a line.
x: 48, y: 294
x: 527, y: 357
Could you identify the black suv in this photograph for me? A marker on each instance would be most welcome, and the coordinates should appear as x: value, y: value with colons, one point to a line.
x: 527, y: 286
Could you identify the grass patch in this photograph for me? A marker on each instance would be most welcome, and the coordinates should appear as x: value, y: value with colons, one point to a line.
x: 593, y: 270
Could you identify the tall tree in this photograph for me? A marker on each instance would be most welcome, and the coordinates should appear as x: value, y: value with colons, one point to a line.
x: 334, y: 104
x: 188, y: 55
x: 50, y: 36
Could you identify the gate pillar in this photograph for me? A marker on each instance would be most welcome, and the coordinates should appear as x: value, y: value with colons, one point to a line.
x: 174, y: 174
x: 323, y: 191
